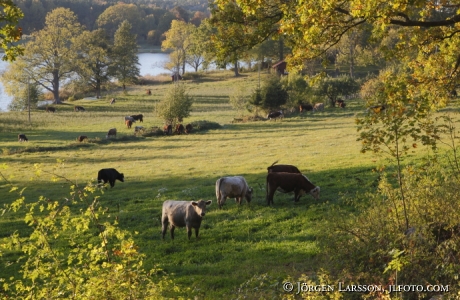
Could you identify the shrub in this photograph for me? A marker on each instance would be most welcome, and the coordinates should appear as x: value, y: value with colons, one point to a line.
x: 205, y: 125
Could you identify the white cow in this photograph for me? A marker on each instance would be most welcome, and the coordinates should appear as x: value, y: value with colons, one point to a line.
x: 183, y: 214
x: 233, y: 187
x: 318, y: 106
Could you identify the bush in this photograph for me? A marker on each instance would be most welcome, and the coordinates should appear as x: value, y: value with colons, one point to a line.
x: 205, y: 125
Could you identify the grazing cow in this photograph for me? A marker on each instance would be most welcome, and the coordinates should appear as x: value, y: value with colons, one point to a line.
x: 112, y: 101
x: 128, y: 123
x: 112, y: 133
x: 167, y: 129
x: 130, y: 119
x: 187, y: 214
x: 109, y: 175
x: 305, y: 107
x: 275, y: 115
x: 81, y: 138
x: 180, y: 129
x: 318, y: 106
x: 50, y: 109
x: 290, y: 182
x: 22, y: 138
x: 79, y: 108
x: 149, y: 92
x: 232, y: 187
x: 340, y: 103
x: 188, y: 128
x: 138, y: 128
x: 282, y: 168
x: 139, y: 117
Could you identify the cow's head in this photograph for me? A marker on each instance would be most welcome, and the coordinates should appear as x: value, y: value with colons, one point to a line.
x: 200, y: 206
x: 249, y: 194
x: 121, y: 177
x: 315, y: 192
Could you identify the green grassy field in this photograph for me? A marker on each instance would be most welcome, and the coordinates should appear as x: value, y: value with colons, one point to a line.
x: 237, y: 243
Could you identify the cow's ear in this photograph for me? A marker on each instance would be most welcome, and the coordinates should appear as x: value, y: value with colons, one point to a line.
x: 208, y: 202
x: 122, y: 175
x: 194, y: 203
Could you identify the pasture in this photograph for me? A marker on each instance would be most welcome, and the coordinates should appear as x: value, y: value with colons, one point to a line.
x: 243, y: 251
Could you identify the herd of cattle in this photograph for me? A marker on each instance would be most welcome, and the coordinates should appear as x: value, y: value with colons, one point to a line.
x: 189, y: 214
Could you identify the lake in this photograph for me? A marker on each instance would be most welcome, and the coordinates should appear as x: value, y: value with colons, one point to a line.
x: 150, y: 64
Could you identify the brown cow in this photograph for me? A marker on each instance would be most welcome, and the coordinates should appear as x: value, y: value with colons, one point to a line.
x: 188, y: 128
x: 167, y: 129
x: 112, y: 101
x: 139, y: 117
x: 81, y: 138
x: 149, y: 92
x: 79, y: 108
x: 340, y: 103
x: 305, y: 107
x: 180, y: 129
x: 290, y: 182
x: 112, y: 133
x: 282, y: 168
x: 50, y: 109
x: 128, y: 123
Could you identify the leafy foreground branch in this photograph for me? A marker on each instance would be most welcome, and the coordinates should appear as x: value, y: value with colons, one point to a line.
x: 76, y: 251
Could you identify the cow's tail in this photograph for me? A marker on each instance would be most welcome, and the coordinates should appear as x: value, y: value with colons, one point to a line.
x: 273, y: 163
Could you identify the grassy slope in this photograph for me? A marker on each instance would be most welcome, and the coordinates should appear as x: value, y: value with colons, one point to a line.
x: 236, y: 242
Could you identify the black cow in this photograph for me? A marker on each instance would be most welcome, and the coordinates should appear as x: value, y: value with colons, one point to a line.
x: 305, y: 107
x: 167, y: 129
x: 22, y: 138
x: 188, y: 128
x: 275, y: 115
x: 289, y: 182
x: 79, y: 108
x: 139, y: 117
x: 109, y: 175
x: 180, y: 129
x: 340, y: 103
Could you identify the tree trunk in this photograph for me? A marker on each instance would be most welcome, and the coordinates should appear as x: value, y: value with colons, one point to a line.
x: 55, y: 84
x: 236, y: 68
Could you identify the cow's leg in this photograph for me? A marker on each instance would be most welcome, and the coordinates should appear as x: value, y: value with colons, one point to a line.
x: 189, y: 231
x: 271, y: 193
x: 112, y: 183
x: 164, y: 226
x: 197, y: 229
x: 172, y: 231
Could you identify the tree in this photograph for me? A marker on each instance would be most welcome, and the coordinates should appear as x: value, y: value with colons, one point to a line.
x: 199, y: 53
x: 94, y: 64
x: 176, y: 104
x: 124, y: 60
x: 10, y: 33
x: 272, y: 94
x: 19, y: 86
x: 333, y: 88
x: 116, y: 14
x: 297, y: 88
x: 51, y: 56
x: 179, y: 39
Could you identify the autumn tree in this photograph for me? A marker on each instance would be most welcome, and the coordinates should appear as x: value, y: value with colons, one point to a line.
x: 10, y: 33
x: 333, y: 88
x: 179, y: 40
x: 115, y: 15
x: 50, y: 58
x: 200, y: 53
x: 176, y: 104
x: 124, y: 60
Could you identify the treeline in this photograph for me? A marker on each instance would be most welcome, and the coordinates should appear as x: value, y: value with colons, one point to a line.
x: 149, y: 18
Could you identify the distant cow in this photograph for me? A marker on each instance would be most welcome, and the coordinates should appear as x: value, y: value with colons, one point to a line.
x: 282, y: 168
x: 188, y: 128
x: 50, y: 109
x: 130, y: 119
x: 289, y: 182
x: 79, y: 108
x: 112, y: 133
x: 187, y: 214
x: 340, y: 103
x: 180, y: 129
x: 112, y: 101
x: 149, y: 92
x: 109, y: 175
x: 275, y: 115
x: 167, y: 129
x: 232, y: 187
x: 139, y: 117
x: 305, y: 107
x: 318, y: 106
x: 128, y: 123
x: 81, y: 138
x: 22, y: 138
x: 138, y: 128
